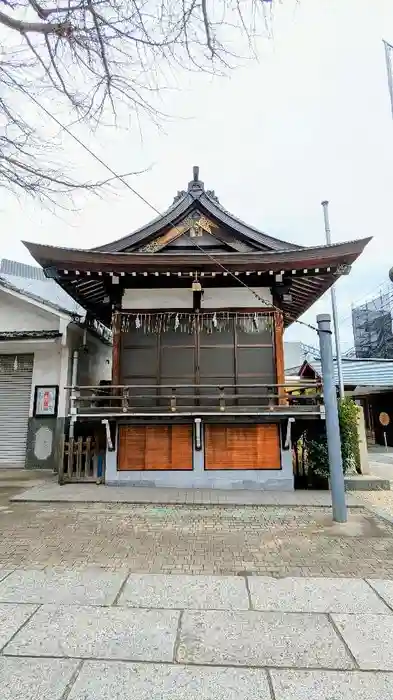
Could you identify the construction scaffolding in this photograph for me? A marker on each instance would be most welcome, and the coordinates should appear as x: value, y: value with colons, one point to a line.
x: 372, y: 326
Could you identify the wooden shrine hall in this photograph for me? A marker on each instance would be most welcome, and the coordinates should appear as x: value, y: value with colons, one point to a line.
x: 197, y: 301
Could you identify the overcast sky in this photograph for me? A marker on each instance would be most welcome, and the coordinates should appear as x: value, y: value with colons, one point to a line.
x: 310, y: 120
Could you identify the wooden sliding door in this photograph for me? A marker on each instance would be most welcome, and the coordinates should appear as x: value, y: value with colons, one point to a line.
x: 242, y: 446
x: 155, y: 447
x: 232, y: 356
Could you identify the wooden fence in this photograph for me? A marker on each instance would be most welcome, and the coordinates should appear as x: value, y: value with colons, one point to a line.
x: 79, y: 461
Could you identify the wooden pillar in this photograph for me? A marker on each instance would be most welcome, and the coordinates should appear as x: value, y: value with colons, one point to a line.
x: 116, y: 333
x: 279, y: 354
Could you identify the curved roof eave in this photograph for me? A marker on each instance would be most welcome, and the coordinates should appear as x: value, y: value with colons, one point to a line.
x: 89, y: 290
x: 47, y: 255
x: 186, y: 200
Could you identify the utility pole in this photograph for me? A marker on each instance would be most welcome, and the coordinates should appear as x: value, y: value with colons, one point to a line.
x: 325, y: 206
x: 337, y: 484
x: 388, y: 57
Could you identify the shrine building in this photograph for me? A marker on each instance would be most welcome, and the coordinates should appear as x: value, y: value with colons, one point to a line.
x: 197, y: 301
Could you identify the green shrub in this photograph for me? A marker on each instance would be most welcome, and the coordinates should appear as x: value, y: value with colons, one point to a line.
x: 316, y: 442
x: 348, y: 412
x: 316, y: 451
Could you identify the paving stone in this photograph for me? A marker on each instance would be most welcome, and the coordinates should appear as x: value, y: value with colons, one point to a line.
x: 384, y: 588
x: 127, y: 681
x: 203, y: 539
x: 370, y: 639
x: 260, y: 639
x: 12, y: 617
x: 92, y: 586
x: 93, y: 632
x: 314, y: 595
x: 203, y: 592
x: 332, y: 685
x: 33, y: 679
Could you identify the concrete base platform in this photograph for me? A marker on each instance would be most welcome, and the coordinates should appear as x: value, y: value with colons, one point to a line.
x: 359, y: 482
x: 91, y: 493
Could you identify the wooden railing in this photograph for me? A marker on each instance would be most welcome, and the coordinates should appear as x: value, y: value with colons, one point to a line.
x: 146, y: 399
x: 79, y: 462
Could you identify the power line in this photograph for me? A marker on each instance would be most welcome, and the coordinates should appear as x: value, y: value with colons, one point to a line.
x: 149, y: 204
x: 263, y: 301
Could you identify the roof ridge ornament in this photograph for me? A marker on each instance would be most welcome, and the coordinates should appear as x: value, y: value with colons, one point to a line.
x: 196, y: 185
x: 180, y: 194
x: 212, y: 195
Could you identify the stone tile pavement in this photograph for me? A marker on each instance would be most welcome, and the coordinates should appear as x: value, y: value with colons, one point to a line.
x: 195, y: 539
x: 168, y: 637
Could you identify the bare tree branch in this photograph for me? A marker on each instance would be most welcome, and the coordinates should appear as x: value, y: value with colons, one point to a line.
x: 60, y: 28
x: 104, y: 60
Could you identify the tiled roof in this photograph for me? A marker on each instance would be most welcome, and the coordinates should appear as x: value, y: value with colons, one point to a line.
x: 361, y: 372
x: 28, y: 335
x: 31, y: 281
x: 197, y: 196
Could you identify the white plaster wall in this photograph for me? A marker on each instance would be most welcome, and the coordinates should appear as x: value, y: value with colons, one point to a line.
x: 52, y: 365
x: 93, y: 365
x: 18, y: 315
x: 100, y: 361
x: 46, y: 370
x: 226, y: 297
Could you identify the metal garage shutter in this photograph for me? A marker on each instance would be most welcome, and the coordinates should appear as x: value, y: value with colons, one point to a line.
x: 15, y: 388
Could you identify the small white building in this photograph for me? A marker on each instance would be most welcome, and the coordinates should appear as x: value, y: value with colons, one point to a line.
x: 42, y: 332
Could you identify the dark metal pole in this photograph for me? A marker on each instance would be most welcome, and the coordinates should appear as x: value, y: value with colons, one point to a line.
x: 325, y: 206
x: 332, y: 425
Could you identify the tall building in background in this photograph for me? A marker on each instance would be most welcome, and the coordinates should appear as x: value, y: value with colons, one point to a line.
x: 372, y: 327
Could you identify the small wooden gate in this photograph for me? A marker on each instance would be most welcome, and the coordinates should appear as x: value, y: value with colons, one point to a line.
x: 80, y: 461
